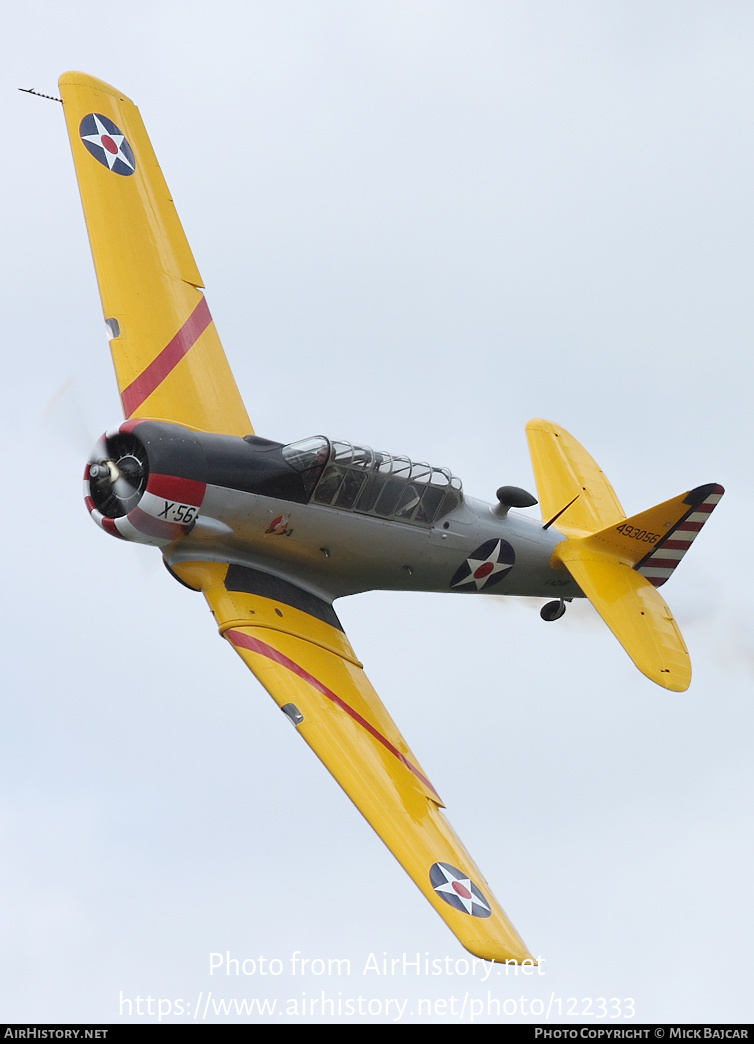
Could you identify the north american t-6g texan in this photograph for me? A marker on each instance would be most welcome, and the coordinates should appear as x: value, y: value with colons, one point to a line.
x: 273, y: 534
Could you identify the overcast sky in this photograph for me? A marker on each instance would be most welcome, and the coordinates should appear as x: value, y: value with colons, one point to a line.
x: 420, y: 224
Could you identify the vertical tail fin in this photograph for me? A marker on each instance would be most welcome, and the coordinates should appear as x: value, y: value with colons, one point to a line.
x: 659, y: 564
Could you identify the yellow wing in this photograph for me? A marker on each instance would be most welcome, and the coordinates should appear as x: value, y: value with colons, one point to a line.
x: 293, y: 643
x: 169, y: 362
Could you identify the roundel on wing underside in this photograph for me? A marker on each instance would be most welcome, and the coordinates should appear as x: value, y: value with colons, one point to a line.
x: 107, y: 143
x: 486, y: 566
x: 458, y: 890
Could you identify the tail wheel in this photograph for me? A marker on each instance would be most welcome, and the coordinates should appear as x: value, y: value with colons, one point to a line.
x: 553, y: 610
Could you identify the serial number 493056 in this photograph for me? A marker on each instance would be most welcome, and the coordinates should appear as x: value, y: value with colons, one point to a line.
x: 638, y: 534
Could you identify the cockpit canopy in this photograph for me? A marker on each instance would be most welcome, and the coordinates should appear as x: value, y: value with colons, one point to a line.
x: 356, y: 478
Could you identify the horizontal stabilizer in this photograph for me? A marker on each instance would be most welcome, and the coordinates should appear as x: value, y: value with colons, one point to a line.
x: 634, y: 611
x: 571, y: 486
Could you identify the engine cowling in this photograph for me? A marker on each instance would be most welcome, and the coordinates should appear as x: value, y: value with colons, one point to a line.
x: 145, y: 482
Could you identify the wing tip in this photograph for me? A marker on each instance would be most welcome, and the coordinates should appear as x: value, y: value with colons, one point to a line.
x: 81, y: 79
x: 504, y: 952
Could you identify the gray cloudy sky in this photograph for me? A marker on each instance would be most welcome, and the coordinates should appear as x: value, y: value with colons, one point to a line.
x: 420, y: 223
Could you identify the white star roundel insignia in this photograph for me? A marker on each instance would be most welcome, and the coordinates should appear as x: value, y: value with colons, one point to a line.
x: 485, y: 567
x: 107, y: 144
x: 456, y: 888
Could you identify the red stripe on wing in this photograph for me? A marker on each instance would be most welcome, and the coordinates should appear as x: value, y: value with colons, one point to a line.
x: 254, y: 645
x: 150, y: 379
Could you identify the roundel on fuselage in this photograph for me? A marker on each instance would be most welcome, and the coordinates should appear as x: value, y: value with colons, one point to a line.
x: 486, y: 566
